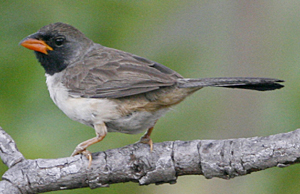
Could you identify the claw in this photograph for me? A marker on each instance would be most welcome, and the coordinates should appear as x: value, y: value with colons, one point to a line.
x: 88, y: 155
x: 82, y: 147
x: 146, y: 139
x: 84, y: 152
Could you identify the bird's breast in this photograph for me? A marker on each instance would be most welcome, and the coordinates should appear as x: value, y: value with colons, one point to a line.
x: 88, y: 111
x: 128, y: 115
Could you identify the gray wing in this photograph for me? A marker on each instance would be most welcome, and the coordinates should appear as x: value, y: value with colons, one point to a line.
x: 110, y: 73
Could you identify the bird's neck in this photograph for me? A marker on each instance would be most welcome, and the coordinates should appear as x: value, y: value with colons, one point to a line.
x: 51, y: 65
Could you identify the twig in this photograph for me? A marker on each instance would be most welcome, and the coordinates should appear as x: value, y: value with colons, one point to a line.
x: 168, y: 160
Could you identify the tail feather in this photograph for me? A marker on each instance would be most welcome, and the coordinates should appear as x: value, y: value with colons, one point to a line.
x: 250, y: 83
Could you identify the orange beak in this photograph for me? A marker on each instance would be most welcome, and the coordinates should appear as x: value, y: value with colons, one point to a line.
x: 36, y: 45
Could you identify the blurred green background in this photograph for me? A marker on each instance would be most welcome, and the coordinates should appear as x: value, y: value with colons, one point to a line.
x: 197, y: 38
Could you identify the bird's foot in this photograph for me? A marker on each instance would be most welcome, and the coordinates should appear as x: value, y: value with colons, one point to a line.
x: 147, y: 140
x: 85, y: 152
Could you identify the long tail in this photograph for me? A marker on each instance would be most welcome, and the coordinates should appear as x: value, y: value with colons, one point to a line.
x: 250, y: 83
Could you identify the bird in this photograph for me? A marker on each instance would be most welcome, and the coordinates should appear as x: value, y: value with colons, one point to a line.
x: 115, y: 91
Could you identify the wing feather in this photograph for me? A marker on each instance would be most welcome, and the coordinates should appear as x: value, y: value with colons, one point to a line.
x: 110, y: 73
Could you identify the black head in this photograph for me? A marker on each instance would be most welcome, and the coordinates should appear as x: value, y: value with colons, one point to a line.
x: 57, y: 45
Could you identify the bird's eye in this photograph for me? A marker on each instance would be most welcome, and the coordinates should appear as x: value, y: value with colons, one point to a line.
x: 59, y: 41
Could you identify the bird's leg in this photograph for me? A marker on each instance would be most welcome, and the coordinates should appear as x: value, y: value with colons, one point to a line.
x: 146, y: 138
x: 81, y: 148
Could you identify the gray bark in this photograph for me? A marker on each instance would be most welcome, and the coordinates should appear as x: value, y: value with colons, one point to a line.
x: 212, y: 158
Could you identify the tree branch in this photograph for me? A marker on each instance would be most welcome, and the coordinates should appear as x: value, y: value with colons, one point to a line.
x: 211, y: 158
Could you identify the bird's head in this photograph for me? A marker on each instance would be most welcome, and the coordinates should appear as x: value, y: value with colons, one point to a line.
x: 57, y: 45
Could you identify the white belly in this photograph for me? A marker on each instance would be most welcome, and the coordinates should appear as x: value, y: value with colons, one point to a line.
x: 88, y: 111
x: 92, y: 111
x: 136, y: 122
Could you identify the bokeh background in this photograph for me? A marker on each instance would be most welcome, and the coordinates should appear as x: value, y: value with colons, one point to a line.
x: 197, y: 38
